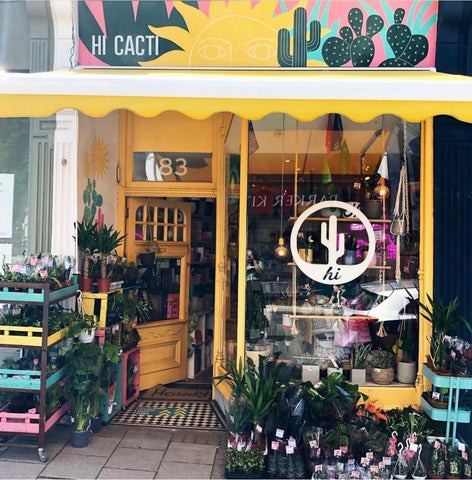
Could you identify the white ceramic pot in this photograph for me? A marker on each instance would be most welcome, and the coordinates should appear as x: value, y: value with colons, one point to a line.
x: 406, y: 372
x: 87, y: 336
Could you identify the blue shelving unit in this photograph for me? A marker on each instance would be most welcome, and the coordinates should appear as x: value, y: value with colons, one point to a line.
x: 454, y: 414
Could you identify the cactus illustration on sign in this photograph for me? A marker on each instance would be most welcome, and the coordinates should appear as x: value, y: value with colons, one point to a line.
x: 409, y: 50
x: 300, y: 44
x: 360, y: 50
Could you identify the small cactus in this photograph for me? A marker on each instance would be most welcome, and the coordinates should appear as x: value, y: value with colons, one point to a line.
x: 409, y: 50
x: 300, y: 44
x: 360, y: 50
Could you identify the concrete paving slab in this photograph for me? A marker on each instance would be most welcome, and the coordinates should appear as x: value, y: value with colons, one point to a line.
x: 23, y: 470
x: 98, y: 446
x: 30, y: 454
x: 135, y: 459
x: 190, y: 453
x: 183, y: 470
x: 67, y: 465
x: 218, y: 470
x: 117, y: 473
x: 113, y: 431
x: 147, y: 438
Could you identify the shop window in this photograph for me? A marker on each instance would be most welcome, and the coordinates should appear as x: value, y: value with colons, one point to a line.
x: 298, y: 308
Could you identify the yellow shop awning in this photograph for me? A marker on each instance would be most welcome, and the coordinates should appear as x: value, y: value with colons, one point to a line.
x: 305, y: 94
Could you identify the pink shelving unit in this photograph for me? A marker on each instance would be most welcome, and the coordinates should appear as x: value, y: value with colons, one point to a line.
x: 132, y: 355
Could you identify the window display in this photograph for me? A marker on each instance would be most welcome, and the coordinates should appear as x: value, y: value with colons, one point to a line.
x: 344, y: 200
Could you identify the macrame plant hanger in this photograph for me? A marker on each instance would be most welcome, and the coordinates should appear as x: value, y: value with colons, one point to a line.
x: 401, y: 219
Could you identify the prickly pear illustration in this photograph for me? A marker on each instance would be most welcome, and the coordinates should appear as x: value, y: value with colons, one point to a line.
x: 360, y: 50
x: 92, y: 200
x: 300, y: 44
x: 409, y: 50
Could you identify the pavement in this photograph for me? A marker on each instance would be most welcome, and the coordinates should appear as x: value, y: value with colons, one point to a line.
x: 119, y: 452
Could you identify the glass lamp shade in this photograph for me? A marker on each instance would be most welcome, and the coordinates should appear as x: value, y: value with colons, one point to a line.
x: 281, y: 251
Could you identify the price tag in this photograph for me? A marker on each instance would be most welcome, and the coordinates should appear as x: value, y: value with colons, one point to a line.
x: 465, y: 456
x: 381, y: 465
x: 435, y: 395
x: 413, y: 447
x: 292, y: 442
x: 437, y: 444
x: 461, y: 446
x: 274, y: 445
x: 369, y: 455
x: 338, y: 452
x: 313, y: 443
x: 279, y: 433
x: 387, y: 460
x: 289, y: 449
x: 258, y: 428
x: 231, y: 418
x: 318, y: 468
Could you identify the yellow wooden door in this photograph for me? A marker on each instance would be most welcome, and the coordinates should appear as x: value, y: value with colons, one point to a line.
x: 153, y: 223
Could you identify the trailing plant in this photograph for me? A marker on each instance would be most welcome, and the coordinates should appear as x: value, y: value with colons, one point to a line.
x: 79, y: 322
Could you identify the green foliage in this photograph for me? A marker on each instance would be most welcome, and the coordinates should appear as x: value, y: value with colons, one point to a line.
x: 86, y: 236
x: 92, y: 201
x: 333, y: 399
x: 361, y: 353
x: 382, y: 359
x: 234, y: 376
x: 78, y: 322
x: 250, y: 462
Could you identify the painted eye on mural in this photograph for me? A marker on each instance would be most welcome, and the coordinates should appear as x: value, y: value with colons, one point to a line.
x: 213, y: 49
x: 261, y: 48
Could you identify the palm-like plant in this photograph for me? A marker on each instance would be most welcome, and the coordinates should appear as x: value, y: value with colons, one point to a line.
x: 86, y: 242
x: 108, y: 240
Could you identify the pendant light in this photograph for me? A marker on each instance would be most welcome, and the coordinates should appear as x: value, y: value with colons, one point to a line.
x: 281, y: 250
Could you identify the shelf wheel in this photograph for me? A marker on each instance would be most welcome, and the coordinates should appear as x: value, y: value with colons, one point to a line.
x: 42, y: 455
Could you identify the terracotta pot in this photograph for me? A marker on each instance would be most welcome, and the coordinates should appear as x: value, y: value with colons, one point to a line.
x: 103, y: 285
x: 85, y: 284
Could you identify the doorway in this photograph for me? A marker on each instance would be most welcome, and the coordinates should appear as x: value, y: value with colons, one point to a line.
x: 178, y: 283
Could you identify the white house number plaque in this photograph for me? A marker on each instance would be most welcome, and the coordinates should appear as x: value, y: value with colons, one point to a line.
x: 332, y: 273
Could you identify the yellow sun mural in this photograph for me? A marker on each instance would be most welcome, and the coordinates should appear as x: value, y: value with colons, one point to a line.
x: 98, y: 158
x: 225, y: 35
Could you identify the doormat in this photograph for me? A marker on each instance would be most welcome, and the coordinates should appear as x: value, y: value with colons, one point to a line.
x: 154, y: 413
x: 186, y: 393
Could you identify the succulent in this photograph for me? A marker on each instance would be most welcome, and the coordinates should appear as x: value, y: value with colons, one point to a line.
x: 360, y: 50
x: 409, y: 50
x: 300, y: 44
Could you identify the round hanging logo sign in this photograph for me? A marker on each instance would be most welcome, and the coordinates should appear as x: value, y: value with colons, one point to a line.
x: 332, y: 273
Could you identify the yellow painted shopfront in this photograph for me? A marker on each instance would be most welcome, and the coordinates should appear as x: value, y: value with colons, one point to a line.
x: 219, y: 166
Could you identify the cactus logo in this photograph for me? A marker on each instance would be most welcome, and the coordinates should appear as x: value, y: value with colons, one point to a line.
x: 332, y: 273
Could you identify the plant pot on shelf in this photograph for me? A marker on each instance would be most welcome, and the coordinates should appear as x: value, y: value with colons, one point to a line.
x: 85, y: 284
x: 79, y: 438
x: 382, y: 376
x: 349, y: 257
x: 406, y: 372
x: 103, y: 285
x: 311, y: 373
x: 358, y: 376
x: 372, y: 208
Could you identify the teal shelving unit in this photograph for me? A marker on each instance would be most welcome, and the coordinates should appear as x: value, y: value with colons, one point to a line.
x: 112, y: 404
x: 454, y: 414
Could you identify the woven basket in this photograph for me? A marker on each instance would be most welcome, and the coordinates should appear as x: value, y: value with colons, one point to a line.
x: 382, y: 376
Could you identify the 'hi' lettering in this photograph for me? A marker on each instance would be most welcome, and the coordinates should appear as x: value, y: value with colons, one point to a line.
x: 330, y: 275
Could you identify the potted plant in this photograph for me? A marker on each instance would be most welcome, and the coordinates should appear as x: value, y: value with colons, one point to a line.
x: 81, y: 326
x: 147, y: 258
x: 108, y: 240
x: 382, y: 363
x: 444, y: 319
x: 87, y: 245
x: 372, y: 205
x: 360, y: 356
x: 244, y: 463
x: 83, y: 371
x: 407, y: 352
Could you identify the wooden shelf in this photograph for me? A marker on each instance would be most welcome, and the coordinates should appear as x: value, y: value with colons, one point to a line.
x: 342, y: 219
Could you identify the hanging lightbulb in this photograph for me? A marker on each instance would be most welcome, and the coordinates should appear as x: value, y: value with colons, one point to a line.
x: 281, y: 250
x: 382, y: 191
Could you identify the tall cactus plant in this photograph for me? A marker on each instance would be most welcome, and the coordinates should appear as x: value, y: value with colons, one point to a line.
x: 409, y: 50
x: 360, y: 50
x: 301, y: 46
